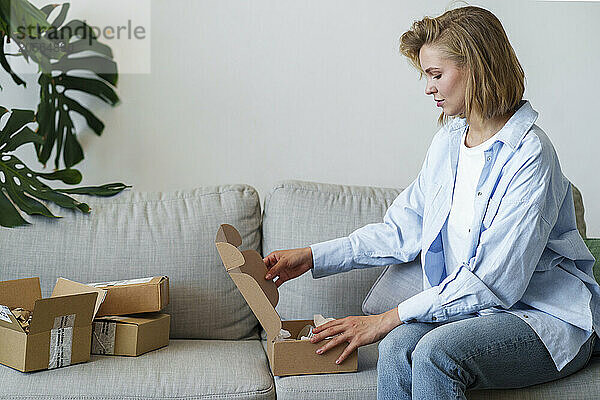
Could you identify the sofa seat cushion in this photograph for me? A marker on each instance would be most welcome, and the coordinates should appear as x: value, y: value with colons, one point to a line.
x: 363, y: 384
x: 141, y: 234
x: 186, y: 369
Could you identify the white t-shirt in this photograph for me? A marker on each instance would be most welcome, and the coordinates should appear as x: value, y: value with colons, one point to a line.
x: 460, y: 220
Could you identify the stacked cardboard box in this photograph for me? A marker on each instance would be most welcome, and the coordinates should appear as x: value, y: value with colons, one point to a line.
x: 79, y: 319
x: 128, y: 322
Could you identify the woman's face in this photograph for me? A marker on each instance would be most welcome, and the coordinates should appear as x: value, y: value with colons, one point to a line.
x: 445, y: 81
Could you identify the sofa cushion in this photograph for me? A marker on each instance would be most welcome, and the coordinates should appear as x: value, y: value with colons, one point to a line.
x: 594, y: 246
x: 138, y: 234
x: 297, y: 214
x: 363, y: 384
x: 186, y: 369
x: 347, y: 386
x: 579, y: 211
x: 396, y: 283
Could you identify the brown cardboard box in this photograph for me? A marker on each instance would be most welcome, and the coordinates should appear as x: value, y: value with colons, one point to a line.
x: 60, y: 331
x: 286, y: 356
x: 134, y: 296
x: 130, y: 335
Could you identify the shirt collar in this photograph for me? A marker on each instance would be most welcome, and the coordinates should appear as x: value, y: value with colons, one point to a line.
x: 515, y: 128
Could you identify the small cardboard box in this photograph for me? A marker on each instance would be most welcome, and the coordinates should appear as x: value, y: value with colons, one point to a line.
x: 286, y: 356
x: 60, y: 331
x: 134, y: 296
x: 130, y: 335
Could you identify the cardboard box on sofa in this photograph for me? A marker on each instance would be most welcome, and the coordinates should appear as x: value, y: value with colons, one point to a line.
x: 286, y: 356
x: 130, y: 335
x: 134, y: 296
x: 61, y: 325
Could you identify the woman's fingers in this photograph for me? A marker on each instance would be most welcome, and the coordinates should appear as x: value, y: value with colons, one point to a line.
x: 328, y: 325
x: 332, y: 343
x: 347, y: 351
x: 331, y: 331
x: 275, y: 269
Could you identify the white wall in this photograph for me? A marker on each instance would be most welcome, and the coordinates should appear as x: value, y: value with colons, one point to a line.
x: 259, y: 91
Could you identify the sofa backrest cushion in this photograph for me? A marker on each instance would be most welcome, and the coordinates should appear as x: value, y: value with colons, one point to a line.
x: 298, y: 214
x: 135, y: 235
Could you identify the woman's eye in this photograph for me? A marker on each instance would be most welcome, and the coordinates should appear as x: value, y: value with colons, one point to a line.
x: 437, y: 77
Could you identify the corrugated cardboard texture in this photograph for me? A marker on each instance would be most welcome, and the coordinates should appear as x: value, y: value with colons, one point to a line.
x: 46, y: 310
x: 305, y: 360
x: 31, y: 352
x: 12, y: 348
x: 139, y: 334
x: 286, y: 357
x: 20, y: 293
x: 137, y: 298
x: 65, y: 287
x: 247, y: 270
x: 38, y: 348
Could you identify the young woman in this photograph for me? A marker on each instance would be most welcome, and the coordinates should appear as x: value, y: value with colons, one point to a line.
x: 509, y: 298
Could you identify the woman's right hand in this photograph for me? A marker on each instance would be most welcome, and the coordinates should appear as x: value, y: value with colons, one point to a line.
x: 288, y: 264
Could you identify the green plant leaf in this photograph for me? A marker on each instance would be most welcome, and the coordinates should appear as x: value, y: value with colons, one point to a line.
x: 69, y: 176
x: 4, y: 63
x: 9, y: 135
x: 9, y: 216
x: 60, y: 19
x: 110, y: 189
x: 21, y: 188
x: 83, y: 52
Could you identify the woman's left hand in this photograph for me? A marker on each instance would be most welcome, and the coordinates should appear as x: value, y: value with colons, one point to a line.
x: 357, y: 331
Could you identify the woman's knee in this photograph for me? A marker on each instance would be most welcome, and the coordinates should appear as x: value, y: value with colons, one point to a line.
x: 401, y: 340
x: 433, y: 348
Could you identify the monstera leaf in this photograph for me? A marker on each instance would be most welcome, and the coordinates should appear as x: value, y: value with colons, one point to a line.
x: 62, y: 77
x: 21, y: 188
x: 15, y: 17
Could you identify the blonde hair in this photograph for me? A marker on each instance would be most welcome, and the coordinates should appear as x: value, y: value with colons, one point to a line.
x: 474, y: 38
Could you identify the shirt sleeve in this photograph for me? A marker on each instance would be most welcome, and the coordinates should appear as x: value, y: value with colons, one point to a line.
x: 507, y: 253
x: 395, y: 240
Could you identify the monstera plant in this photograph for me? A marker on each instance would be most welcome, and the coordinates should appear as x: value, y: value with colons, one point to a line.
x: 70, y: 61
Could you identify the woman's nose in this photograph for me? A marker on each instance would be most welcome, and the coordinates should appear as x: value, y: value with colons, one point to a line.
x: 430, y: 88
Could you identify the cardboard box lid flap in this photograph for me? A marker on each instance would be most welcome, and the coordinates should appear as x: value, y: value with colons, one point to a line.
x: 258, y: 302
x: 247, y: 270
x: 66, y: 287
x: 48, y: 311
x: 20, y: 293
x: 13, y: 323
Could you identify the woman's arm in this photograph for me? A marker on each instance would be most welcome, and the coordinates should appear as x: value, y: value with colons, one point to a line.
x: 395, y: 240
x: 508, y: 251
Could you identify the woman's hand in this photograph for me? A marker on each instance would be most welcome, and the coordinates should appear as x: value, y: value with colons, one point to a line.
x: 288, y: 264
x: 357, y: 331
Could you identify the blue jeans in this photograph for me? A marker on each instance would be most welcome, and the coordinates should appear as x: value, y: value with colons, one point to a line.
x: 442, y: 360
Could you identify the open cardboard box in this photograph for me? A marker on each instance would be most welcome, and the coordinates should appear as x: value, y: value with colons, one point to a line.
x: 134, y: 296
x: 60, y: 331
x: 130, y: 335
x: 286, y: 356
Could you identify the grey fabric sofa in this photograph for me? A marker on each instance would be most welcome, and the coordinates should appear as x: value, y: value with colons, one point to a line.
x: 215, y: 350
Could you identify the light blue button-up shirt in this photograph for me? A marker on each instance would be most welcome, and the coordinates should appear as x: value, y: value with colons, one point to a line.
x: 525, y: 255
